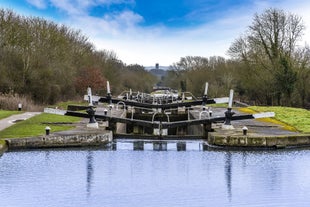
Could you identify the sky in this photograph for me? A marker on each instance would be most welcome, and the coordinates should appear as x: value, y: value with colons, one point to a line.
x: 147, y: 32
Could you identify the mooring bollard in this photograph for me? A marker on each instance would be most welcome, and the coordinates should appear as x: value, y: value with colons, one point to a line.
x: 210, y: 111
x: 47, y: 130
x: 244, y: 130
x: 19, y: 107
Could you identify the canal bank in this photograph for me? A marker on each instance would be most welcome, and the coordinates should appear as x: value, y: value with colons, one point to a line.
x: 56, y: 141
x: 236, y: 139
x: 3, y: 147
x: 219, y: 138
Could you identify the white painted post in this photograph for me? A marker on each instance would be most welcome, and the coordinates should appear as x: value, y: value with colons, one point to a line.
x: 231, y: 96
x: 108, y: 88
x: 19, y: 107
x: 90, y: 98
x: 206, y: 89
x: 229, y: 113
x: 89, y: 91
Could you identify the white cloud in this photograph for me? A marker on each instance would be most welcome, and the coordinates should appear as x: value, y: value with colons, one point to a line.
x: 40, y: 4
x: 79, y: 7
x: 146, y: 46
x: 69, y: 6
x: 122, y: 33
x: 123, y: 20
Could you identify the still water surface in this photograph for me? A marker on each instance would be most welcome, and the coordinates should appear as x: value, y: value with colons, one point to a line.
x: 124, y: 177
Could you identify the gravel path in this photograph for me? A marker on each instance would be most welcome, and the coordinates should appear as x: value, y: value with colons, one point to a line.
x: 9, y: 121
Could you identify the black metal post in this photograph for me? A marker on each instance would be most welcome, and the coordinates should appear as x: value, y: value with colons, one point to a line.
x: 91, y: 112
x: 204, y: 99
x: 228, y: 116
x: 47, y: 130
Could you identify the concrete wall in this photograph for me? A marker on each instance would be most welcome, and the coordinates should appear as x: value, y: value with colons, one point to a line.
x: 259, y: 141
x: 79, y: 140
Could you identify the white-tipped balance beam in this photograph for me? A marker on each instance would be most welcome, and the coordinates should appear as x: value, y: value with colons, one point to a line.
x: 206, y: 89
x: 221, y: 100
x: 231, y: 97
x: 90, y: 97
x: 264, y: 115
x: 108, y: 88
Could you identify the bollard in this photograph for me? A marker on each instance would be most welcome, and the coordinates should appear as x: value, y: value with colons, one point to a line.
x: 210, y: 111
x: 244, y: 130
x: 19, y: 107
x: 105, y: 112
x: 47, y: 130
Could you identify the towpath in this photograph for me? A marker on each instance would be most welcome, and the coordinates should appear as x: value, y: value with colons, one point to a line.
x: 9, y: 121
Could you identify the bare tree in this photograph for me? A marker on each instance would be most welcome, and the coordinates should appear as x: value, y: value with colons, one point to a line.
x: 268, y: 48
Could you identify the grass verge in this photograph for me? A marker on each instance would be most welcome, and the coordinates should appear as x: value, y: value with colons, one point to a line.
x: 64, y: 105
x: 294, y: 119
x: 5, y: 114
x: 34, y: 127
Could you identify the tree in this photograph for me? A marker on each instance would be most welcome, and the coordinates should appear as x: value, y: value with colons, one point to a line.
x: 90, y: 77
x: 267, y: 49
x: 302, y: 57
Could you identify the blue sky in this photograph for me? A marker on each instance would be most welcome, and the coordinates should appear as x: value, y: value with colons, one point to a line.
x: 158, y: 31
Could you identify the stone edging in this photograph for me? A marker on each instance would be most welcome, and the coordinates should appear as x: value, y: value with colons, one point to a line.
x: 79, y: 140
x: 275, y: 141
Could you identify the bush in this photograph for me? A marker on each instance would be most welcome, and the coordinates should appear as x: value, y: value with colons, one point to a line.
x: 11, y: 101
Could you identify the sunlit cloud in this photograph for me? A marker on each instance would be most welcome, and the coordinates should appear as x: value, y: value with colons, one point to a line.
x: 40, y: 4
x: 127, y: 32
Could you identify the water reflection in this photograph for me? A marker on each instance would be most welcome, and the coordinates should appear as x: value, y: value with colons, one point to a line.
x: 128, y: 177
x: 158, y: 145
x: 90, y: 171
x: 228, y: 166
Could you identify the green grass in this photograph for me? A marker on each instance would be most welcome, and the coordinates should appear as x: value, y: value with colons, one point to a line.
x: 64, y: 105
x: 220, y: 105
x: 5, y: 114
x: 34, y: 127
x: 291, y: 118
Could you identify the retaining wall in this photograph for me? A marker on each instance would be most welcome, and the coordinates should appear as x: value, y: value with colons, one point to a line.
x: 79, y: 140
x: 277, y: 141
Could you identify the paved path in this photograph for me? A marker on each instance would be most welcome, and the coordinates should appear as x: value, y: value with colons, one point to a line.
x: 9, y: 121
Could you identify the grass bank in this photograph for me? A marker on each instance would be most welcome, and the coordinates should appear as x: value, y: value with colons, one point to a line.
x: 35, y: 126
x: 5, y: 114
x: 64, y: 105
x: 2, y: 142
x: 294, y: 119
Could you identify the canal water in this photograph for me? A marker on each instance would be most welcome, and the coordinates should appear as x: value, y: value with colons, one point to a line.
x: 124, y: 177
